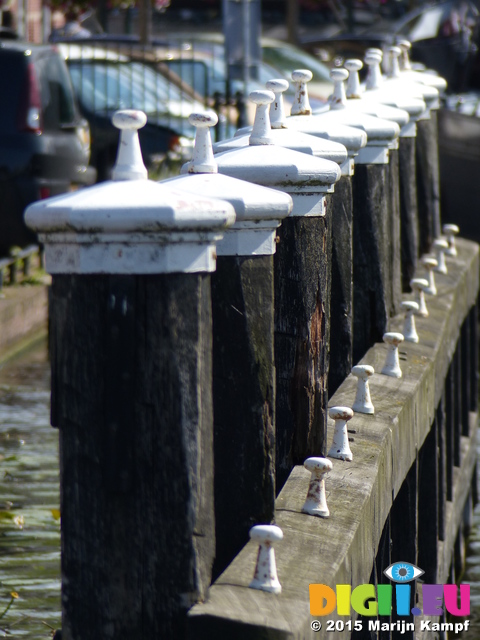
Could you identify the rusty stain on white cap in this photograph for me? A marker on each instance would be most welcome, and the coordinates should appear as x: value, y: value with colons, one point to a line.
x: 363, y: 402
x: 392, y: 363
x: 316, y: 502
x: 265, y: 577
x: 340, y: 446
x: 409, y: 329
x: 338, y: 99
x: 301, y: 103
x: 278, y: 118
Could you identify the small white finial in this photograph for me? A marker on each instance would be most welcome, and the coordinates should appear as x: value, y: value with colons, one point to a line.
x: 409, y: 329
x: 340, y: 446
x: 265, y: 577
x: 261, y: 125
x: 363, y: 402
x: 405, y: 47
x: 373, y: 59
x: 451, y: 230
x: 278, y: 118
x: 301, y: 104
x: 338, y: 99
x: 353, y: 82
x: 392, y: 362
x: 418, y: 286
x: 203, y: 160
x: 129, y: 163
x: 394, y: 54
x: 430, y: 264
x: 440, y: 247
x: 316, y: 502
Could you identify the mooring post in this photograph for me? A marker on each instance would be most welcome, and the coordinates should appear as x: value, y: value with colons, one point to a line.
x: 302, y: 285
x: 341, y: 209
x: 415, y: 107
x: 372, y: 269
x: 131, y: 395
x: 365, y: 102
x: 427, y: 163
x: 243, y: 362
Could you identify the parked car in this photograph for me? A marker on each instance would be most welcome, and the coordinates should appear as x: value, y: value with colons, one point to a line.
x: 201, y: 62
x: 105, y: 81
x: 44, y: 141
x: 444, y: 37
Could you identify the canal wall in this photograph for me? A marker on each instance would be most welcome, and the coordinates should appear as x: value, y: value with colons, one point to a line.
x: 23, y: 318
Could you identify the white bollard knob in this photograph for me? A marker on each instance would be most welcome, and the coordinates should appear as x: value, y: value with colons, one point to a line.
x: 338, y: 99
x: 316, y: 502
x: 353, y: 82
x: 405, y: 47
x: 340, y: 446
x: 129, y: 163
x: 440, y: 246
x: 418, y: 286
x: 373, y: 59
x: 301, y: 103
x: 278, y: 118
x: 409, y: 329
x: 451, y: 230
x: 261, y: 129
x: 363, y: 402
x: 265, y: 577
x: 394, y: 54
x: 392, y: 362
x: 430, y: 264
x: 202, y: 160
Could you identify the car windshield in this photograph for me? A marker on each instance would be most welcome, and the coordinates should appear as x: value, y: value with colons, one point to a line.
x: 426, y: 25
x: 287, y: 59
x: 103, y: 86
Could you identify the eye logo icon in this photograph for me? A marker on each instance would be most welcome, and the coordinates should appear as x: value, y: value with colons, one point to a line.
x: 403, y: 572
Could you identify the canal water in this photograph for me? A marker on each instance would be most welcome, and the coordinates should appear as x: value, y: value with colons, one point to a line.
x: 29, y: 501
x: 29, y: 507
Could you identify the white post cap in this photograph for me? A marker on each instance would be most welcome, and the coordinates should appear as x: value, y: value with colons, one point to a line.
x: 203, y: 160
x: 129, y: 226
x: 301, y: 103
x: 129, y: 164
x: 278, y: 117
x: 258, y: 210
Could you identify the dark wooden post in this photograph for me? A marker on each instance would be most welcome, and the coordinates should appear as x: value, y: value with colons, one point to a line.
x: 341, y: 206
x: 372, y: 218
x: 131, y: 345
x: 243, y: 362
x: 302, y: 294
x: 428, y: 183
x: 341, y: 331
x: 408, y: 210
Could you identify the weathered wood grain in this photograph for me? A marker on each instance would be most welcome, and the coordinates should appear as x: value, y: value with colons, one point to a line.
x: 408, y: 210
x: 302, y: 281
x: 341, y: 329
x: 371, y: 258
x: 132, y: 400
x: 428, y: 181
x: 243, y: 401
